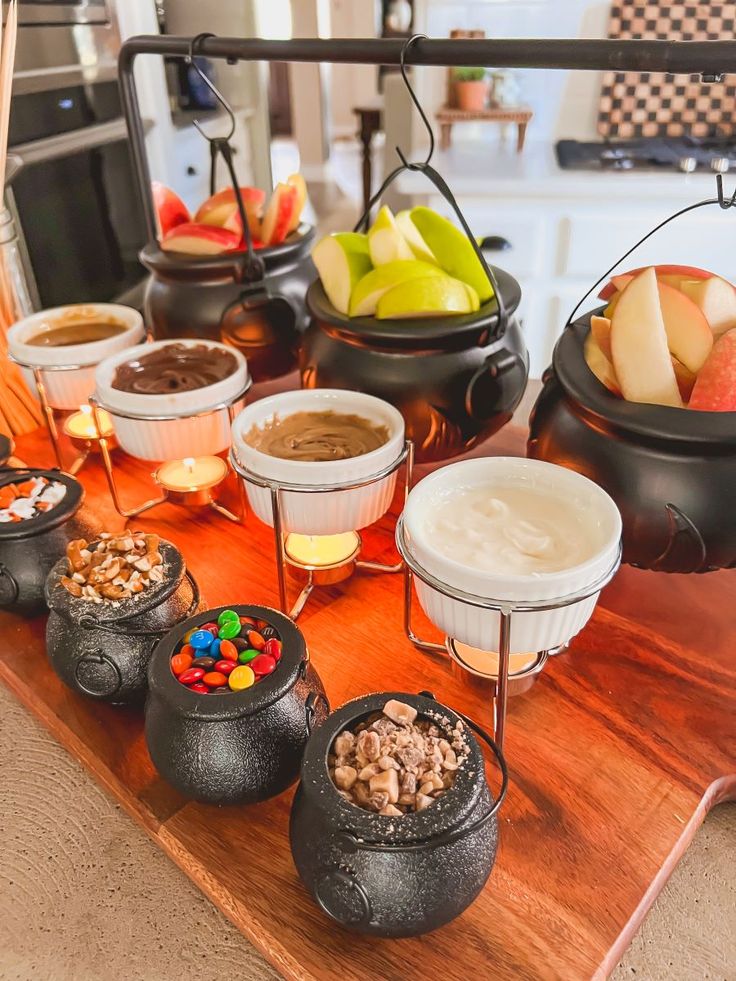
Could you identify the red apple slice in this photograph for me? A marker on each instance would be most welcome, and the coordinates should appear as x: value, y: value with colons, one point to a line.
x: 601, y: 366
x: 716, y: 298
x: 199, y: 239
x: 684, y: 272
x: 220, y: 208
x: 170, y: 209
x: 279, y: 214
x: 297, y: 181
x: 641, y: 357
x: 600, y: 328
x: 715, y: 386
x: 688, y: 335
x: 685, y: 379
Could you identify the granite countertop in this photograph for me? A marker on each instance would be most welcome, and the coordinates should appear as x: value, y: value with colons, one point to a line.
x: 480, y: 168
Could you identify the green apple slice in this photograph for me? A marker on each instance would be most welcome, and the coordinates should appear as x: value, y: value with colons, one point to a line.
x: 342, y: 260
x: 416, y: 243
x: 431, y: 296
x: 385, y: 241
x: 380, y: 280
x: 452, y: 250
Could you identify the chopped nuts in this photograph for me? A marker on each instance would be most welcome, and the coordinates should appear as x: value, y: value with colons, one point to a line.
x: 114, y: 568
x: 393, y: 764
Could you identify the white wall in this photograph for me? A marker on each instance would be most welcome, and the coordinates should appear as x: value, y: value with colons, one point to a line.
x: 565, y: 103
x: 351, y: 85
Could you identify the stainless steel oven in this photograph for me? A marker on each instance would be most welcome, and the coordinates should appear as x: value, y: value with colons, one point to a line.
x: 39, y: 12
x: 73, y: 195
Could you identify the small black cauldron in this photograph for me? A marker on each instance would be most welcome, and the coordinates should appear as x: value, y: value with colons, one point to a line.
x: 391, y: 876
x: 672, y: 472
x: 103, y: 651
x: 239, y: 747
x: 214, y: 298
x: 29, y: 549
x: 454, y: 381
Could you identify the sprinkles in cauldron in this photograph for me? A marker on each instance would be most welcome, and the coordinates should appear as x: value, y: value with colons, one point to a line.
x: 229, y: 655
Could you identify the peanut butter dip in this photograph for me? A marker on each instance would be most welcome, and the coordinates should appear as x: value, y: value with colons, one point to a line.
x: 317, y: 436
x: 175, y: 368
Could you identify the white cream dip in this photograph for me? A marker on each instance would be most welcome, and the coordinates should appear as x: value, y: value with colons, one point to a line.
x: 514, y: 530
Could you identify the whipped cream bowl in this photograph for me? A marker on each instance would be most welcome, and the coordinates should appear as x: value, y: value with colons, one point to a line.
x: 169, y: 400
x: 46, y: 341
x: 516, y: 532
x: 317, y: 510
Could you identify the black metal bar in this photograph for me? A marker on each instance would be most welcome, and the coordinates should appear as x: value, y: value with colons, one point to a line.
x: 707, y: 58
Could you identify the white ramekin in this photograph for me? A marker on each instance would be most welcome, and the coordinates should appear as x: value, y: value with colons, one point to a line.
x: 189, y: 434
x: 333, y: 512
x: 70, y: 389
x: 531, y: 631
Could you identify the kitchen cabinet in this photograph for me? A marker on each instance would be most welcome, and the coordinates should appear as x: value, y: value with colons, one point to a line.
x: 565, y: 228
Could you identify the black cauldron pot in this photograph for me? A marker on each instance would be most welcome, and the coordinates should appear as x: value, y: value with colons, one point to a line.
x: 217, y: 299
x: 672, y: 472
x: 29, y: 549
x: 454, y: 382
x: 103, y: 651
x: 237, y: 747
x: 394, y: 877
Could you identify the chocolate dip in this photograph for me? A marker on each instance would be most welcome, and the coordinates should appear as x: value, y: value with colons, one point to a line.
x: 317, y: 436
x: 175, y: 368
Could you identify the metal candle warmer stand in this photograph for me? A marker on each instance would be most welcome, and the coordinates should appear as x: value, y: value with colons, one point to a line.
x: 505, y: 610
x: 105, y: 444
x: 350, y: 563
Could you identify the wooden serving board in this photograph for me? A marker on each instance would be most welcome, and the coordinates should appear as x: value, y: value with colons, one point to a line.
x: 616, y: 755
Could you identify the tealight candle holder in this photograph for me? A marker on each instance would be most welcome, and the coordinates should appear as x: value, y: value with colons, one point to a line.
x: 323, y: 559
x: 81, y: 429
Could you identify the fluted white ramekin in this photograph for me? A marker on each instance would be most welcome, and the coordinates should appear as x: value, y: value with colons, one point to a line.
x: 70, y: 389
x: 331, y: 512
x: 538, y: 630
x: 193, y: 431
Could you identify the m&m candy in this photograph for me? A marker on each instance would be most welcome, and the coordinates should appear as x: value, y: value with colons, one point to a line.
x: 229, y: 655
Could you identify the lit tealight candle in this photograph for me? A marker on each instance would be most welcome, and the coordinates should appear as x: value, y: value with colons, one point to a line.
x: 486, y: 663
x: 322, y: 551
x: 190, y: 474
x: 81, y: 425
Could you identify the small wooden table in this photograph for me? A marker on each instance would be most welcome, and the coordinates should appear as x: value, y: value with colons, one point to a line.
x: 371, y: 122
x: 448, y: 116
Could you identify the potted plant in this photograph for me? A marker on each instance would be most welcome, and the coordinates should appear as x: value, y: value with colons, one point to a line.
x: 471, y: 88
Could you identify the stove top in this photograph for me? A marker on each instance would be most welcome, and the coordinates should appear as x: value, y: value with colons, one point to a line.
x: 686, y: 154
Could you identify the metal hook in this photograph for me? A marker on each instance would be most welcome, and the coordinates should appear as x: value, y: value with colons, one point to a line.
x: 190, y: 59
x: 422, y: 114
x: 723, y: 203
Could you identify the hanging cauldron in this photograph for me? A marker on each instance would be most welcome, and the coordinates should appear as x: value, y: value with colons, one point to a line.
x: 29, y: 549
x: 240, y: 746
x: 103, y: 651
x: 394, y: 876
x: 672, y: 472
x: 456, y: 379
x: 221, y: 298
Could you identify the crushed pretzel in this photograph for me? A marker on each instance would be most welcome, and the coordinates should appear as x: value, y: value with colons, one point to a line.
x: 114, y: 567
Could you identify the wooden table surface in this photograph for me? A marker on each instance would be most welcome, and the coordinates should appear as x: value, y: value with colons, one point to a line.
x: 615, y: 756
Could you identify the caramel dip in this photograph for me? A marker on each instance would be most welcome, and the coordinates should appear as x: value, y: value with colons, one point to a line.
x: 175, y: 368
x: 317, y: 436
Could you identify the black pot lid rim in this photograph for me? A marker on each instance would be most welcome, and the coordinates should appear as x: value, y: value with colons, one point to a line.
x: 428, y: 329
x: 661, y: 422
x: 65, y: 509
x: 236, y: 704
x: 74, y: 609
x: 446, y: 813
x: 153, y: 256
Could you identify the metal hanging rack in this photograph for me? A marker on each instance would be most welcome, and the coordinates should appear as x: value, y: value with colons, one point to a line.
x: 708, y: 59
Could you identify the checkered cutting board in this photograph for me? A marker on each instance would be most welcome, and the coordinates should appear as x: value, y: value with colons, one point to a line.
x: 635, y: 104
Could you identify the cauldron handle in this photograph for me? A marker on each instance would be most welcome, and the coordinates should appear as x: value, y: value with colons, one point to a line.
x: 310, y: 707
x: 494, y: 366
x: 5, y: 573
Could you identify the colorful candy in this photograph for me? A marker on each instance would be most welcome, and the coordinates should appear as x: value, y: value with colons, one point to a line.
x: 228, y: 656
